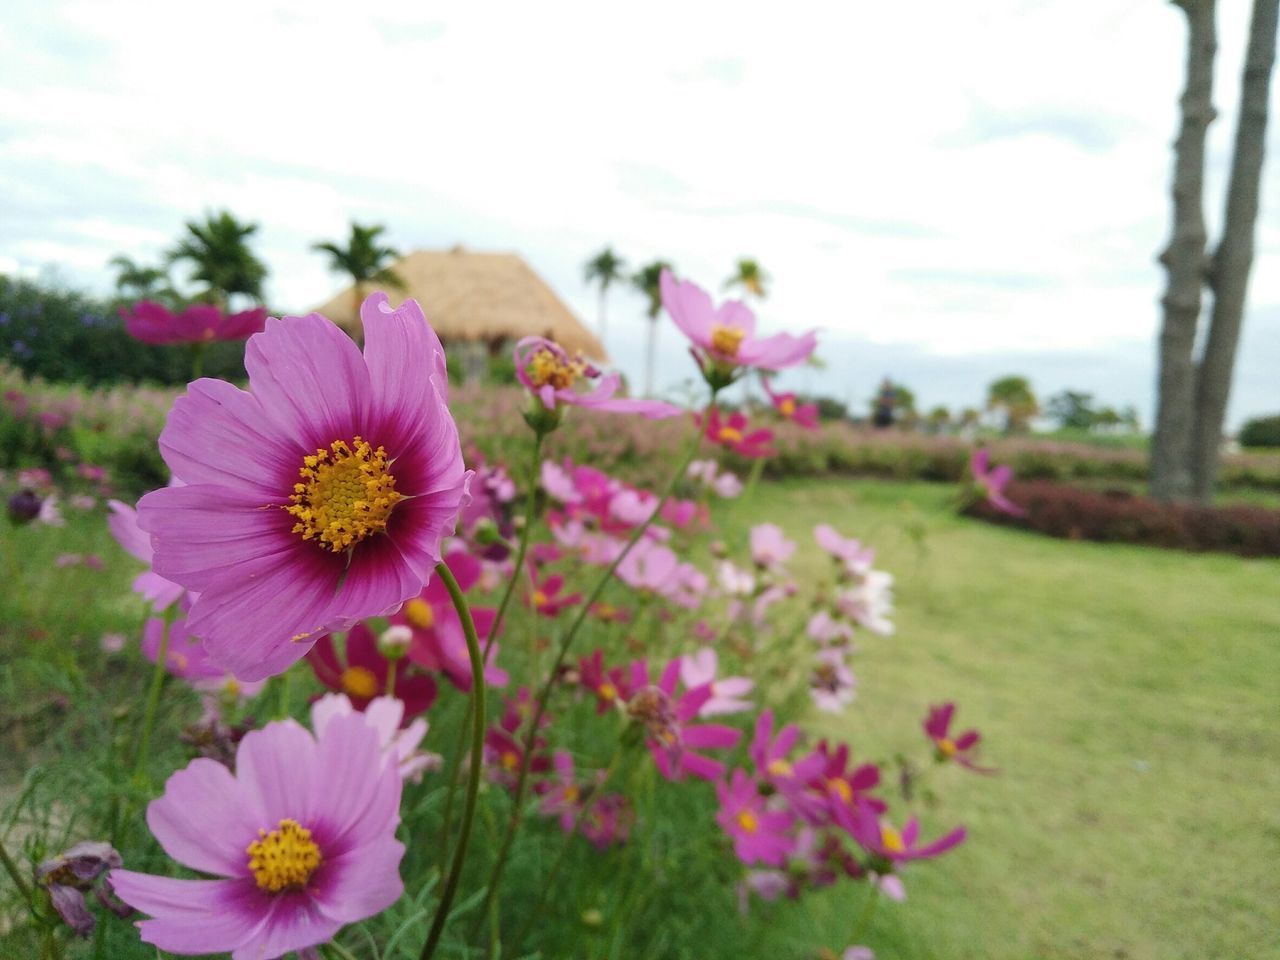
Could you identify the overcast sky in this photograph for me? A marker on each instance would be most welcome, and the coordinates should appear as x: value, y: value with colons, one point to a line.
x: 951, y: 190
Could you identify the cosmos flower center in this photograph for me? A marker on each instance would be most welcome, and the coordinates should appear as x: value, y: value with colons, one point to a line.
x: 283, y: 859
x: 419, y: 614
x: 345, y: 493
x: 841, y: 788
x: 652, y: 708
x: 787, y: 407
x: 547, y: 368
x: 825, y: 677
x: 730, y: 435
x: 510, y: 760
x: 540, y: 599
x: 947, y: 746
x: 891, y: 839
x: 727, y: 340
x: 747, y: 821
x: 359, y: 682
x: 571, y: 793
x: 779, y: 768
x: 608, y: 691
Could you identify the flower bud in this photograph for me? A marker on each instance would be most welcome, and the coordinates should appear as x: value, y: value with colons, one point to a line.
x: 24, y: 506
x: 395, y: 640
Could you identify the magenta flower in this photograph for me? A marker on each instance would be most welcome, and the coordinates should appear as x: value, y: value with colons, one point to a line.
x: 608, y: 821
x: 611, y: 686
x: 149, y: 585
x: 725, y: 336
x: 317, y: 498
x: 881, y: 839
x: 363, y: 674
x: 735, y: 434
x: 771, y: 757
x: 992, y: 482
x: 563, y: 797
x: 153, y: 323
x: 187, y: 660
x: 398, y: 739
x: 832, y: 683
x: 546, y: 597
x: 789, y: 408
x: 853, y: 558
x: 962, y: 749
x: 671, y: 736
x: 301, y: 839
x: 697, y: 669
x: 759, y: 835
x: 504, y: 754
x: 551, y: 374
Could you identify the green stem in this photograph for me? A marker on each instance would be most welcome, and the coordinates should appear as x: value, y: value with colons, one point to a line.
x: 477, y: 756
x: 757, y: 468
x: 455, y: 760
x: 153, y: 702
x: 336, y: 949
x: 547, y: 885
x: 282, y: 708
x: 15, y: 875
x: 517, y: 811
x: 864, y: 918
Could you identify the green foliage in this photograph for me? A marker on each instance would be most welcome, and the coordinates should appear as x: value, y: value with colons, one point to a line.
x: 363, y: 258
x: 749, y: 277
x: 62, y: 335
x: 605, y: 269
x: 1013, y: 397
x: 1261, y: 432
x: 220, y: 258
x: 647, y: 280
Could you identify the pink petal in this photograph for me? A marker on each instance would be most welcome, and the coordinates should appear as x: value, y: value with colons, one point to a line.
x: 192, y: 916
x: 275, y: 766
x: 361, y: 882
x: 205, y: 819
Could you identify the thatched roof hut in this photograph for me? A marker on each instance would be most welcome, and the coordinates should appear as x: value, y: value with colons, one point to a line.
x: 489, y: 298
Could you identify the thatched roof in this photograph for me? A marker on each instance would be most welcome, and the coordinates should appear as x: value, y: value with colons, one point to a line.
x: 477, y: 296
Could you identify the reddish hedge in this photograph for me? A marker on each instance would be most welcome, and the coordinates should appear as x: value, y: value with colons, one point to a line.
x: 1118, y: 516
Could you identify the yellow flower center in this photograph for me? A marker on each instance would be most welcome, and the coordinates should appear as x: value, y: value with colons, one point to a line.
x: 842, y: 788
x: 510, y: 760
x: 540, y: 599
x: 947, y: 747
x: 345, y: 494
x: 727, y: 340
x: 283, y: 859
x: 560, y: 372
x: 571, y: 793
x: 779, y: 768
x: 419, y: 614
x: 891, y: 839
x: 787, y: 407
x: 359, y: 682
x: 730, y: 435
x: 747, y: 821
x: 608, y: 691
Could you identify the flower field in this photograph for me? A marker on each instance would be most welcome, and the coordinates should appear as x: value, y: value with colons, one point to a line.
x: 434, y: 684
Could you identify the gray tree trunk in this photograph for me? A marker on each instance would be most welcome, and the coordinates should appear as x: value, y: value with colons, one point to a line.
x: 1233, y: 259
x: 1184, y: 261
x: 649, y: 356
x: 603, y: 322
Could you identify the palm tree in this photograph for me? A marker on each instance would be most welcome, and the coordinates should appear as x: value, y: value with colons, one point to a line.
x: 604, y: 269
x: 648, y: 281
x: 750, y: 277
x: 1013, y: 395
x: 136, y: 282
x: 363, y: 260
x: 220, y: 257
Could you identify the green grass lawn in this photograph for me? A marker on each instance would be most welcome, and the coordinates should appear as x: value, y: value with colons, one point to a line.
x: 1129, y: 696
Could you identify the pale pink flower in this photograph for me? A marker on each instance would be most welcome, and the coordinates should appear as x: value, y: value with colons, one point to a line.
x: 700, y: 668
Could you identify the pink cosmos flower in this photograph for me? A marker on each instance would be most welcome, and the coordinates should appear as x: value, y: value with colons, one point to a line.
x: 608, y: 822
x: 707, y: 472
x: 962, y: 749
x: 385, y: 715
x: 153, y: 323
x: 770, y: 549
x: 697, y: 669
x: 826, y: 629
x: 365, y: 673
x: 853, y: 558
x: 187, y: 660
x: 301, y: 839
x: 551, y: 374
x: 611, y: 687
x: 736, y: 434
x: 725, y: 336
x: 546, y: 598
x: 839, y: 784
x: 504, y: 753
x: 759, y: 835
x: 789, y: 407
x: 317, y: 498
x: 563, y: 797
x: 881, y: 839
x: 992, y: 482
x: 671, y: 736
x: 869, y: 602
x: 771, y: 757
x: 438, y: 641
x: 832, y: 684
x: 149, y: 585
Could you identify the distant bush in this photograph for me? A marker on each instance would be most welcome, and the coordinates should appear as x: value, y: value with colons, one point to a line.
x: 63, y: 336
x: 1114, y: 516
x: 1261, y: 432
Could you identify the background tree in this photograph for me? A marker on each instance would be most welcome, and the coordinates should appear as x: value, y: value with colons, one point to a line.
x: 748, y: 277
x: 364, y: 260
x: 1072, y: 409
x: 137, y: 282
x: 1192, y: 396
x: 220, y: 257
x: 648, y: 281
x: 939, y: 420
x: 1013, y: 397
x: 604, y: 269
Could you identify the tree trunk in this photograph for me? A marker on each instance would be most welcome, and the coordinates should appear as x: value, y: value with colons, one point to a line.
x: 1184, y: 260
x: 602, y: 326
x: 357, y: 328
x: 649, y: 356
x: 1233, y: 259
